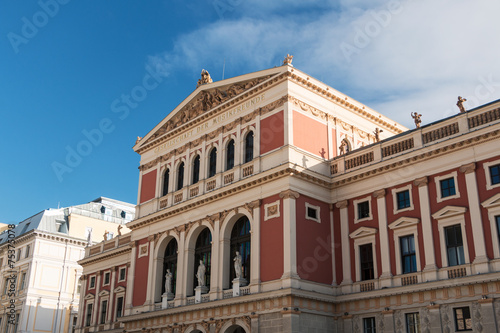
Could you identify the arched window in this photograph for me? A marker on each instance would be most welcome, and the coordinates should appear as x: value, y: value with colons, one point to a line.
x: 180, y: 176
x: 212, y: 164
x: 166, y: 177
x: 240, y: 241
x: 196, y: 169
x: 203, y: 251
x: 230, y: 155
x: 249, y: 147
x: 170, y: 262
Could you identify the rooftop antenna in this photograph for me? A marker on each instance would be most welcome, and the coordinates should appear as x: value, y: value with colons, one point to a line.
x: 223, y: 68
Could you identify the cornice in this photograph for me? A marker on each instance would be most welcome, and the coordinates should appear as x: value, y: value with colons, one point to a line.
x: 261, y: 87
x: 104, y: 255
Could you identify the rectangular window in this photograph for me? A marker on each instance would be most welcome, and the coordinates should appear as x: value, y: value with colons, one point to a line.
x: 408, y: 256
x: 454, y: 245
x: 119, y: 307
x: 104, y: 308
x: 412, y: 322
x: 23, y: 281
x: 27, y: 254
x: 447, y: 187
x: 18, y: 255
x: 92, y: 282
x: 106, y: 278
x: 122, y: 274
x: 366, y: 261
x: 363, y: 210
x: 495, y: 174
x: 88, y: 316
x: 463, y: 321
x: 369, y: 325
x: 403, y: 199
x: 312, y: 213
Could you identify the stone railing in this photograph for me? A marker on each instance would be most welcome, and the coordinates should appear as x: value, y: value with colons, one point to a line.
x: 194, y: 191
x: 108, y: 245
x: 397, y: 147
x: 228, y: 178
x: 190, y: 300
x: 484, y: 118
x: 248, y: 170
x: 359, y: 160
x: 440, y: 133
x: 367, y: 286
x: 211, y: 184
x: 178, y: 197
x: 227, y: 294
x: 244, y: 291
x: 457, y: 272
x: 163, y: 202
x: 408, y: 280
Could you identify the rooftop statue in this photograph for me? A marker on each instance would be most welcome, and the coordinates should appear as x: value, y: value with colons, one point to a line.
x: 205, y: 78
x: 416, y: 117
x: 460, y: 104
x: 288, y: 60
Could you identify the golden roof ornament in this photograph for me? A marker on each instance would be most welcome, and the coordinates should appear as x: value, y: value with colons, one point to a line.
x: 288, y: 60
x: 205, y: 78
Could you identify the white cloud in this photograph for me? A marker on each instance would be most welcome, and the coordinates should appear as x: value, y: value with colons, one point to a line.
x: 416, y: 57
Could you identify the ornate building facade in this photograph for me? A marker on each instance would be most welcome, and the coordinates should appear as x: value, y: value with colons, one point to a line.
x: 271, y: 202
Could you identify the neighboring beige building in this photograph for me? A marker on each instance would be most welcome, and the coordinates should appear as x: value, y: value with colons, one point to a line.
x: 47, y: 276
x: 343, y: 220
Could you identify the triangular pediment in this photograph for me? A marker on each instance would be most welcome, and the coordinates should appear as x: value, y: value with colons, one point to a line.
x: 363, y: 232
x: 205, y: 98
x: 90, y: 296
x: 494, y: 201
x: 104, y: 293
x: 403, y: 222
x: 119, y: 289
x: 449, y: 211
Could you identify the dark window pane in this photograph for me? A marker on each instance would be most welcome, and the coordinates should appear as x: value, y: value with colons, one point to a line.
x: 196, y: 169
x: 369, y: 325
x: 454, y: 245
x: 180, y: 176
x: 447, y: 187
x: 363, y: 209
x: 403, y: 199
x: 366, y: 261
x: 408, y: 255
x: 463, y: 321
x: 166, y: 178
x: 213, y: 163
x: 249, y: 147
x: 240, y: 241
x: 230, y: 155
x: 312, y: 213
x: 170, y: 262
x: 203, y: 251
x: 495, y: 174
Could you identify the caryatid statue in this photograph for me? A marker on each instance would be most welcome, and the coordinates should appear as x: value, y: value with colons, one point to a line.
x: 238, y: 268
x: 201, y: 274
x: 168, y: 281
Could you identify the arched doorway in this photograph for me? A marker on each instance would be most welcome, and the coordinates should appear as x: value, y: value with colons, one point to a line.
x: 235, y: 329
x: 240, y: 241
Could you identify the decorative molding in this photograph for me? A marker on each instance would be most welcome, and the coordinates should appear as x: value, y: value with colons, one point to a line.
x: 449, y: 211
x: 362, y: 232
x: 379, y: 194
x: 422, y: 181
x: 468, y: 168
x: 287, y: 194
x: 403, y: 222
x: 342, y: 204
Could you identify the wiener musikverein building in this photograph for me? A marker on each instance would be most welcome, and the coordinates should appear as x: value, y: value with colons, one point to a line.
x: 271, y: 202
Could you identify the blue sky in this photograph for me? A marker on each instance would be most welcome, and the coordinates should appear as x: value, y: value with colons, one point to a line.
x: 64, y: 63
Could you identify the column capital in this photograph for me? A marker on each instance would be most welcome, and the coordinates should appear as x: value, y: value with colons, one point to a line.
x: 342, y: 204
x: 151, y: 238
x: 379, y: 193
x: 289, y: 194
x: 468, y: 168
x: 422, y: 181
x: 132, y: 244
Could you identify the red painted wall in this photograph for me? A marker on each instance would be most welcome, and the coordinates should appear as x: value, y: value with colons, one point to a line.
x: 462, y: 201
x: 310, y: 135
x: 140, y: 276
x: 391, y: 217
x: 271, y: 243
x: 272, y: 132
x: 148, y: 186
x: 314, y: 243
x: 373, y: 223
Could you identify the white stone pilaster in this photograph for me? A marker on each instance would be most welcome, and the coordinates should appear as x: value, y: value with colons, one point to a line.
x: 386, y: 275
x: 97, y: 300
x: 111, y: 295
x: 151, y: 273
x: 255, y: 248
x: 215, y: 269
x: 130, y: 279
x: 289, y: 239
x: 346, y: 283
x: 481, y: 260
x: 430, y: 269
x: 181, y: 269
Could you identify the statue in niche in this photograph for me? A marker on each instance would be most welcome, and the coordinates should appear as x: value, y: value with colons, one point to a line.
x: 416, y: 117
x: 238, y: 268
x: 343, y: 148
x: 168, y: 282
x: 201, y: 274
x: 460, y: 104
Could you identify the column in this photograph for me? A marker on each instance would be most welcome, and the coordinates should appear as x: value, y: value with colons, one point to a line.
x: 181, y: 269
x: 83, y: 293
x: 290, y: 276
x: 151, y: 272
x: 386, y: 276
x: 130, y: 279
x: 216, y: 269
x: 255, y: 247
x: 481, y: 261
x: 346, y: 253
x: 111, y: 300
x: 430, y: 269
x: 95, y: 315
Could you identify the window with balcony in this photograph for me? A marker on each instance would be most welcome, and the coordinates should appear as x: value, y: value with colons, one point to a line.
x: 212, y: 163
x: 230, y: 155
x: 408, y: 255
x: 249, y: 147
x: 119, y: 307
x: 196, y: 170
x: 366, y: 261
x: 454, y: 245
x: 180, y: 176
x: 463, y: 320
x: 166, y: 178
